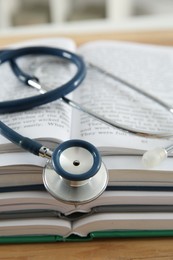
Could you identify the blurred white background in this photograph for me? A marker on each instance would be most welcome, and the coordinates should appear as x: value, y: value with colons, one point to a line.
x: 92, y: 14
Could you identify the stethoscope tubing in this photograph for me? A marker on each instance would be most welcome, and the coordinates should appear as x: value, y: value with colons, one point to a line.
x: 49, y: 96
x: 26, y: 79
x: 31, y: 102
x: 60, y: 176
x: 26, y: 143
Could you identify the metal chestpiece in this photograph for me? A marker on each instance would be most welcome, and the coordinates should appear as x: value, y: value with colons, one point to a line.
x: 75, y: 174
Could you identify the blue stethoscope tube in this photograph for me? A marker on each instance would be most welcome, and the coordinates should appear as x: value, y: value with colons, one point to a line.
x: 26, y: 143
x: 30, y: 102
x: 59, y: 175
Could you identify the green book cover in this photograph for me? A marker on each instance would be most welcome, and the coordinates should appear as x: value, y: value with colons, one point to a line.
x: 91, y: 236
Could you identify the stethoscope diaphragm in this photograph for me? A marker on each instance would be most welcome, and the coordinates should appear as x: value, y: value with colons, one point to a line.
x: 76, y: 173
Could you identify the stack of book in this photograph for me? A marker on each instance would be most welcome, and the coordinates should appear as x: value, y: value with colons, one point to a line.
x: 138, y: 201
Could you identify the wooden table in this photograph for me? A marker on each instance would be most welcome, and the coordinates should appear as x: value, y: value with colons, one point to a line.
x: 164, y: 37
x: 119, y: 249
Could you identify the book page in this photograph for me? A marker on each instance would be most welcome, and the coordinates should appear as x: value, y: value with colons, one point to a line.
x: 147, y: 67
x: 40, y: 198
x: 48, y: 122
x: 35, y: 226
x: 128, y: 198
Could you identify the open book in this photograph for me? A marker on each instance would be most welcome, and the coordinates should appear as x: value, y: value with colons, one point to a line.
x: 35, y: 212
x: 38, y: 213
x: 147, y: 67
x: 83, y: 227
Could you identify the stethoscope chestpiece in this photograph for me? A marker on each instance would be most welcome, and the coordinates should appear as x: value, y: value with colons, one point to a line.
x: 76, y: 173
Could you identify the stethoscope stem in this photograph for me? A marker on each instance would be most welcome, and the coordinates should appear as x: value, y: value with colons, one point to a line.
x: 45, y: 152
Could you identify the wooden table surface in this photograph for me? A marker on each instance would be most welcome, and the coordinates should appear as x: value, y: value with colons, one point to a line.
x: 161, y: 37
x: 119, y: 249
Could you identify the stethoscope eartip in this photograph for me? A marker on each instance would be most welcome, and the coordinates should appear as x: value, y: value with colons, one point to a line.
x: 153, y: 158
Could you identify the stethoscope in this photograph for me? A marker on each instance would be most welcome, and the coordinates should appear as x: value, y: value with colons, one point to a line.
x: 74, y: 172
